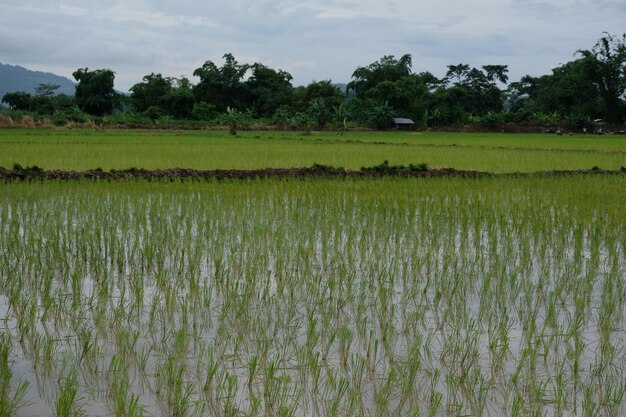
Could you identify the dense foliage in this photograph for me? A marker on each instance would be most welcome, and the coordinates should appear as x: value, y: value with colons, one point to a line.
x: 591, y: 87
x: 94, y: 92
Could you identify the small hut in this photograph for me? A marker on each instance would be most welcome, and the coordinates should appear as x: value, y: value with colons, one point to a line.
x: 403, y: 124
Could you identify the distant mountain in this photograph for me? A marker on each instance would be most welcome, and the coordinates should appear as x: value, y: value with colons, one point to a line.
x: 344, y: 89
x: 15, y: 78
x: 341, y: 86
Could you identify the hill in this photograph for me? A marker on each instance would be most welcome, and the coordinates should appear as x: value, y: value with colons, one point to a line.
x: 15, y: 78
x: 344, y: 89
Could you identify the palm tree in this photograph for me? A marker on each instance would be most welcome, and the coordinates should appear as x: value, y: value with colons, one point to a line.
x: 380, y: 115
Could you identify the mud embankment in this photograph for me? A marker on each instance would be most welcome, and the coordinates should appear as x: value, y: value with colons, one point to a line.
x: 19, y: 173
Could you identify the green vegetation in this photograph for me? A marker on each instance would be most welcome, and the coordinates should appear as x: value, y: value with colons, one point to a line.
x: 118, y: 149
x: 11, y: 391
x: 384, y: 167
x: 485, y: 297
x: 94, y: 92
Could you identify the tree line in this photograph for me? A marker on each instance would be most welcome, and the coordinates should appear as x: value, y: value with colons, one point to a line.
x: 592, y: 86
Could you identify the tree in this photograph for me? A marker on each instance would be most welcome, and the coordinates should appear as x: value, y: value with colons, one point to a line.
x: 320, y: 112
x: 203, y: 111
x: 268, y: 89
x: 458, y: 73
x: 605, y: 65
x: 521, y: 94
x: 568, y: 91
x: 449, y: 106
x: 18, y: 101
x: 94, y: 93
x: 429, y: 80
x: 163, y: 95
x: 319, y: 90
x: 46, y: 90
x: 407, y: 95
x: 477, y: 88
x: 222, y: 86
x: 42, y: 103
x: 179, y: 100
x: 302, y: 121
x: 380, y: 115
x: 385, y: 69
x: 390, y: 80
x: 497, y: 73
x: 151, y: 92
x: 233, y: 119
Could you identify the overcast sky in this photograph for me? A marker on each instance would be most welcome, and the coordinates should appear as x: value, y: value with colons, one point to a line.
x: 312, y: 40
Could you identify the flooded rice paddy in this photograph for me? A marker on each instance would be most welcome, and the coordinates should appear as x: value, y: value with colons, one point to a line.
x: 385, y: 297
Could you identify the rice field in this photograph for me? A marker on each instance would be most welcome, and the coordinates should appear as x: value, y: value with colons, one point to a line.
x: 83, y: 149
x: 374, y: 297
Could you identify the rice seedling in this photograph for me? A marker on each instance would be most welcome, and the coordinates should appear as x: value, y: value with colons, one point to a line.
x: 66, y: 404
x: 121, y: 149
x: 11, y: 393
x: 493, y: 296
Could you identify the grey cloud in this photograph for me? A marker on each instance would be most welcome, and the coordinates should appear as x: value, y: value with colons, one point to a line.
x: 312, y: 39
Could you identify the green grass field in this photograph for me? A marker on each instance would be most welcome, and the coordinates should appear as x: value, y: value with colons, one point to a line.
x: 119, y: 149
